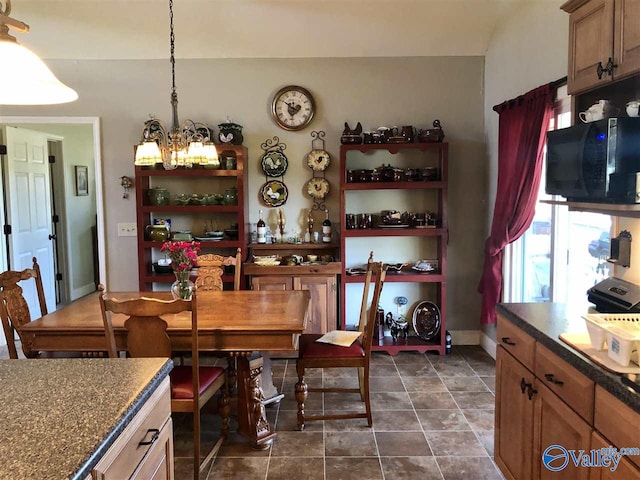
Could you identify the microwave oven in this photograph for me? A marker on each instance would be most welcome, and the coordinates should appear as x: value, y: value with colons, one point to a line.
x: 596, y: 162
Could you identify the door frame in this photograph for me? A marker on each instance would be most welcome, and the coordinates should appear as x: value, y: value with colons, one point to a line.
x: 95, y: 123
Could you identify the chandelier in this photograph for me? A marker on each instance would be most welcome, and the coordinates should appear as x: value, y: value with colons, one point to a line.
x: 25, y: 79
x: 183, y: 145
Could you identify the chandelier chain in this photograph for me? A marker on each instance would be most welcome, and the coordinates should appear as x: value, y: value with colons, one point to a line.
x: 172, y: 40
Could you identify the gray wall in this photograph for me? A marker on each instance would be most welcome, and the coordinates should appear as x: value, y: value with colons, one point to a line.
x: 374, y: 91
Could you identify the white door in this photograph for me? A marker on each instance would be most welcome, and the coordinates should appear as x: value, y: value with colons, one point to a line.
x: 28, y: 191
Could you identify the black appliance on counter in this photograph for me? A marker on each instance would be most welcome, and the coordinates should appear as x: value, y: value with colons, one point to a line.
x: 613, y: 295
x: 596, y: 161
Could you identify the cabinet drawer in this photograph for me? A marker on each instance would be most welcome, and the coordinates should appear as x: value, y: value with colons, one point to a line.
x: 124, y: 456
x: 158, y: 463
x: 617, y: 422
x: 516, y: 342
x: 625, y: 470
x: 565, y: 381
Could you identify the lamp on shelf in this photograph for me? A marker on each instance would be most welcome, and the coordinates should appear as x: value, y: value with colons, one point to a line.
x: 181, y: 146
x: 25, y: 79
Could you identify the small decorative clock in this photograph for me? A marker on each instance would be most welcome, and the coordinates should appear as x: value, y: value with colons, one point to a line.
x: 293, y: 108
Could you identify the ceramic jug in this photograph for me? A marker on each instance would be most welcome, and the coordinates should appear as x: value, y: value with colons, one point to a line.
x: 633, y: 108
x: 230, y: 133
x: 158, y: 196
x: 157, y: 233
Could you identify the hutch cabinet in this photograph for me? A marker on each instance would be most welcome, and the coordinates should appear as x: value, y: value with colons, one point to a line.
x: 604, y: 42
x: 320, y: 278
x: 403, y: 243
x: 196, y: 218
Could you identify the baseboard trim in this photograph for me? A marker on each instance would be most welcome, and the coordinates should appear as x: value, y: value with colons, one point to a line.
x: 465, y: 337
x: 488, y: 344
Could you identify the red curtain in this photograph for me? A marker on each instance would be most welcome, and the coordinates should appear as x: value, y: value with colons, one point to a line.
x: 523, y: 124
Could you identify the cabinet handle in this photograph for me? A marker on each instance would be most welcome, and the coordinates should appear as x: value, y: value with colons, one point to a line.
x: 523, y: 385
x: 552, y: 379
x: 608, y: 68
x: 155, y: 434
x: 508, y: 341
x: 531, y: 391
x: 600, y: 70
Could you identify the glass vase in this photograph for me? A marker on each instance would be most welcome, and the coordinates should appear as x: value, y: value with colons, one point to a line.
x: 182, y: 288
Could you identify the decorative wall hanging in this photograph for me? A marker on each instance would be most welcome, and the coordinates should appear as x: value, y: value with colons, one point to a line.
x: 318, y: 159
x: 274, y: 163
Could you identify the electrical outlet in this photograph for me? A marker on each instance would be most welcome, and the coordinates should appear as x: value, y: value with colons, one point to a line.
x: 127, y: 230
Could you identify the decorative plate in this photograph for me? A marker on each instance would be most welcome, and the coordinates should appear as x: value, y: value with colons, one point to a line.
x: 318, y: 188
x: 274, y: 163
x: 318, y: 160
x: 274, y: 193
x: 426, y: 320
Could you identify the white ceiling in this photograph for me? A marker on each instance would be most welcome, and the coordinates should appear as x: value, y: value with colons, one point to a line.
x: 139, y: 29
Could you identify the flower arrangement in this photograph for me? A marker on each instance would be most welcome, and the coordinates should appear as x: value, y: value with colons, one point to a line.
x: 184, y: 256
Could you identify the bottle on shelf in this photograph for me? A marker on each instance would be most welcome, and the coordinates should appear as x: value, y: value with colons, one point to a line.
x: 262, y: 229
x: 326, y: 228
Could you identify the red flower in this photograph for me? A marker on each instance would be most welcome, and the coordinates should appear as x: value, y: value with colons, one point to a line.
x: 183, y: 255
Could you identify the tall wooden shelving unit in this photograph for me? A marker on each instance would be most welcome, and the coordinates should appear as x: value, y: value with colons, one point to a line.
x: 208, y: 181
x: 431, y: 154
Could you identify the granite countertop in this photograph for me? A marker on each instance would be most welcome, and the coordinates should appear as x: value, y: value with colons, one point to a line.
x: 61, y: 415
x: 546, y: 321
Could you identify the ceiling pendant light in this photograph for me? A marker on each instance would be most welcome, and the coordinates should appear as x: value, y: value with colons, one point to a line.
x: 181, y: 146
x: 25, y: 79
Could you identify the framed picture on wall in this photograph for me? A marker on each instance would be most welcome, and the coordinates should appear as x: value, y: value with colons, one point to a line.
x: 82, y: 180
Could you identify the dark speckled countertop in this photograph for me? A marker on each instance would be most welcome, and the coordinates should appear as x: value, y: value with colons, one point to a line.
x: 546, y: 321
x: 60, y: 416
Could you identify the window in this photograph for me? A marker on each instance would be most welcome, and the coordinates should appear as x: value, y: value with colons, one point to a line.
x: 563, y: 253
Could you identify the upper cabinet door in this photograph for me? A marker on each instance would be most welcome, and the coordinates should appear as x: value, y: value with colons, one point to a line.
x: 590, y: 44
x: 627, y: 38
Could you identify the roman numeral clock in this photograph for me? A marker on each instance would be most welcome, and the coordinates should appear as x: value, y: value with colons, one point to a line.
x: 293, y: 108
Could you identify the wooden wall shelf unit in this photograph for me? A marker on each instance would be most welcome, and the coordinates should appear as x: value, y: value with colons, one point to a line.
x: 418, y: 155
x: 191, y: 217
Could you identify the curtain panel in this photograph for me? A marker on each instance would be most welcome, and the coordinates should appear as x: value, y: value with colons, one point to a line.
x: 523, y: 124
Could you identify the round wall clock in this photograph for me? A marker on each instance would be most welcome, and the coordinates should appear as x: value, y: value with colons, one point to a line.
x: 318, y: 188
x: 318, y: 160
x: 293, y: 108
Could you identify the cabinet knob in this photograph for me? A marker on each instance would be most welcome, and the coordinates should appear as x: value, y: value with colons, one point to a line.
x: 552, y: 379
x: 531, y: 391
x: 507, y: 341
x: 523, y: 385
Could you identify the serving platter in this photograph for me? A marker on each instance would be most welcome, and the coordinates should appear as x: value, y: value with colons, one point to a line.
x: 274, y: 193
x: 426, y: 320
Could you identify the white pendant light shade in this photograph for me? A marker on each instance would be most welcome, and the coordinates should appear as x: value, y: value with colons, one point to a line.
x: 26, y: 80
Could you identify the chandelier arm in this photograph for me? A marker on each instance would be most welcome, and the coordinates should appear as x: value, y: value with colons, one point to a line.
x: 7, y: 22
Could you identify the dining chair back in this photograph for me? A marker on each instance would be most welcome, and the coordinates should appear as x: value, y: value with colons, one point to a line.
x: 313, y: 354
x: 211, y: 268
x: 14, y: 309
x: 192, y: 386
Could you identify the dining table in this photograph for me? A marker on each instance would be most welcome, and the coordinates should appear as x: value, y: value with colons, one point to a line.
x: 238, y: 323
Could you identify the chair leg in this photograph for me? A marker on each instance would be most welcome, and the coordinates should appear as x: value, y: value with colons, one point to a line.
x: 367, y: 397
x: 301, y: 397
x: 361, y: 378
x: 196, y: 445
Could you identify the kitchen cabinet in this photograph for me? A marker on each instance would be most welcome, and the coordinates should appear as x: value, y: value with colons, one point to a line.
x: 196, y: 218
x: 604, y: 42
x: 398, y: 187
x: 542, y: 400
x: 624, y: 471
x: 144, y: 450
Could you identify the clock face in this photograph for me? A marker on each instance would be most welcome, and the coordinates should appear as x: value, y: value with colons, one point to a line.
x: 293, y: 108
x: 318, y: 188
x: 318, y: 160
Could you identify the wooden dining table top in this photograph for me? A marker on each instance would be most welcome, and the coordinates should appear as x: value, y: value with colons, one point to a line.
x: 243, y: 320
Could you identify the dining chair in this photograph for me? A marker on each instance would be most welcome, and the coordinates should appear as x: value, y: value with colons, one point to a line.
x: 192, y: 386
x: 313, y: 354
x: 211, y: 268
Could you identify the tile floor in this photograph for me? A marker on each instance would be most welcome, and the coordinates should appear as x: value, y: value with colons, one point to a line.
x: 432, y: 419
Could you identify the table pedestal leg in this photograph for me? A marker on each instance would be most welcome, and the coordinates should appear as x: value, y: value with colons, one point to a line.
x: 252, y: 418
